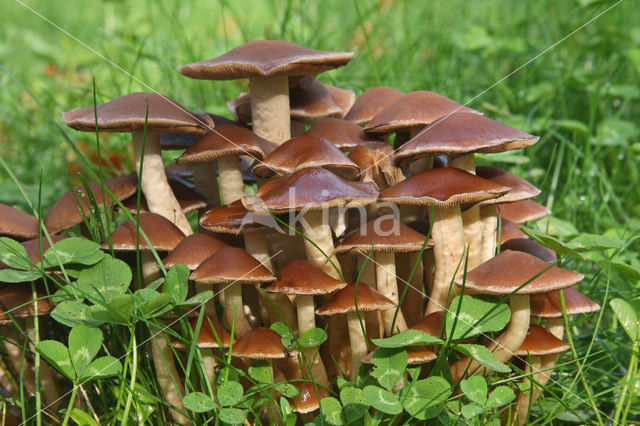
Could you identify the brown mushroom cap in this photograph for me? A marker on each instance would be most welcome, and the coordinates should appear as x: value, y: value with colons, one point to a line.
x: 415, y: 109
x: 343, y: 98
x: 33, y: 247
x: 260, y: 343
x: 15, y: 299
x: 343, y: 134
x: 509, y: 270
x: 310, y: 99
x: 235, y: 219
x: 529, y: 246
x: 193, y: 250
x: 307, y: 400
x: 548, y: 305
x: 383, y: 234
x: 464, y: 133
x: 306, y: 151
x: 207, y: 337
x: 231, y: 265
x: 163, y: 235
x: 128, y: 113
x: 304, y: 278
x: 520, y: 188
x: 540, y: 342
x: 431, y: 324
x: 371, y: 103
x: 375, y: 159
x: 442, y: 188
x: 17, y: 224
x: 509, y: 230
x: 523, y: 211
x: 312, y: 188
x: 344, y: 301
x: 265, y: 58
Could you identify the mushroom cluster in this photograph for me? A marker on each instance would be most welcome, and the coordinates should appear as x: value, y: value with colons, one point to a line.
x: 313, y: 209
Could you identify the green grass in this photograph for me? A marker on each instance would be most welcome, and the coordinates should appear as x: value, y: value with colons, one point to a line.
x: 581, y: 98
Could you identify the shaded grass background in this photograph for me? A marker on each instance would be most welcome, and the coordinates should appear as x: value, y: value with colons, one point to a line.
x: 581, y: 97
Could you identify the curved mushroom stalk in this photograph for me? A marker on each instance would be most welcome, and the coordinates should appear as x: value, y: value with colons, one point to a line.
x: 270, y: 114
x: 526, y: 399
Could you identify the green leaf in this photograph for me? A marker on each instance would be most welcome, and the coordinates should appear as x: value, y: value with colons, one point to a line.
x: 331, y: 410
x: 587, y: 242
x: 501, y: 395
x: 355, y: 405
x: 285, y: 407
x: 16, y: 276
x: 58, y: 356
x: 199, y: 299
x: 73, y: 250
x: 286, y: 335
x: 484, y: 356
x: 118, y: 310
x: 407, y: 338
x: 226, y: 374
x: 82, y: 418
x: 233, y: 416
x: 70, y: 313
x: 561, y: 248
x: 100, y: 368
x: 107, y: 278
x: 312, y: 338
x: 470, y: 411
x: 627, y: 316
x: 554, y: 226
x: 84, y: 344
x: 627, y: 271
x: 382, y: 400
x: 176, y: 284
x: 198, y: 402
x: 287, y: 389
x: 477, y: 315
x: 151, y: 303
x: 389, y: 364
x: 230, y: 393
x: 260, y: 371
x: 572, y: 126
x: 424, y: 399
x: 475, y: 388
x: 13, y: 254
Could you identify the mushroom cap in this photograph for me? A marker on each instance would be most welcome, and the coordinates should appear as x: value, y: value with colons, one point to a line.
x: 384, y: 234
x: 523, y: 211
x: 235, y: 219
x: 415, y: 109
x: 306, y: 151
x: 520, y: 188
x: 307, y: 401
x: 162, y: 233
x: 231, y: 265
x: 343, y: 98
x: 227, y: 139
x: 371, y: 103
x: 128, y: 113
x: 509, y: 270
x: 261, y: 343
x: 343, y: 134
x: 344, y: 301
x: 15, y: 298
x: 193, y: 250
x: 509, y: 230
x: 207, y: 337
x: 431, y: 324
x: 314, y: 189
x: 464, y: 133
x: 302, y: 277
x: 442, y: 188
x: 75, y: 204
x: 17, y: 224
x: 527, y: 245
x: 375, y: 160
x: 265, y: 58
x: 540, y: 342
x: 310, y: 99
x: 548, y: 305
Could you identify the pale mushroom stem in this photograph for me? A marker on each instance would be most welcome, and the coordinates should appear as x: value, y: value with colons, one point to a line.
x: 206, y: 181
x: 373, y: 319
x: 388, y: 287
x: 358, y: 345
x: 506, y: 344
x: 156, y: 189
x: 307, y: 321
x: 231, y: 183
x: 148, y: 267
x: 319, y: 232
x: 270, y: 113
x: 233, y: 303
x: 448, y: 233
x: 471, y: 217
x: 489, y: 217
x: 526, y: 399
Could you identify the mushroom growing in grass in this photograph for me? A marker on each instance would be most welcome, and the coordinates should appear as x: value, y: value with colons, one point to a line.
x: 157, y: 113
x: 371, y: 103
x: 341, y: 133
x: 523, y: 211
x: 519, y: 275
x: 15, y: 223
x: 350, y: 300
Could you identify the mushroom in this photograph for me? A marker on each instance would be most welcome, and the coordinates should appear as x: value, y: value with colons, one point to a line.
x: 343, y: 134
x: 371, y: 102
x: 523, y: 211
x: 15, y: 223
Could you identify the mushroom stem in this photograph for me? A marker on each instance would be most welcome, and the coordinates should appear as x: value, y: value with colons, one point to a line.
x: 156, y: 189
x: 319, y: 231
x: 373, y: 319
x: 148, y: 267
x: 507, y: 343
x: 231, y: 183
x: 412, y: 305
x: 270, y: 113
x: 307, y: 321
x: 448, y: 234
x: 489, y: 215
x: 358, y: 345
x: 555, y: 326
x: 206, y: 181
x: 471, y: 217
x: 388, y: 287
x: 526, y: 399
x: 233, y: 303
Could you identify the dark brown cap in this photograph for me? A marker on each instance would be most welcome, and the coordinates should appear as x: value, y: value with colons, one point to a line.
x: 509, y: 270
x: 343, y: 98
x: 431, y: 324
x: 307, y: 400
x: 128, y: 113
x: 343, y: 134
x: 265, y: 58
x: 235, y: 219
x: 529, y: 246
x: 548, y: 305
x: 520, y: 188
x: 383, y: 234
x: 231, y: 265
x: 163, y: 235
x: 207, y: 338
x: 540, y: 342
x: 523, y: 211
x: 371, y: 103
x: 509, y: 230
x: 260, y: 343
x: 304, y: 278
x: 193, y: 250
x: 310, y: 100
x: 442, y: 188
x: 17, y: 224
x: 345, y: 301
x: 15, y: 298
x: 306, y: 151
